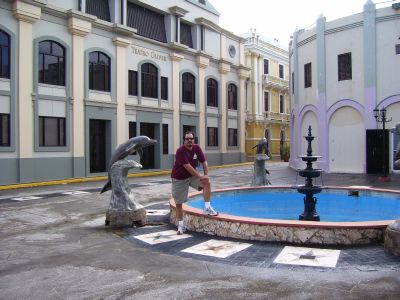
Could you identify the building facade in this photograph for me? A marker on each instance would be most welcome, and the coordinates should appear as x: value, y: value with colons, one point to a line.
x: 340, y: 72
x: 80, y: 77
x: 267, y: 105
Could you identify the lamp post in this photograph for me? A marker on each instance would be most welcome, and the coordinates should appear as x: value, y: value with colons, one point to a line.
x: 380, y: 117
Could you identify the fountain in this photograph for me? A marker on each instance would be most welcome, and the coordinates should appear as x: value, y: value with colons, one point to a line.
x: 350, y: 215
x: 310, y: 213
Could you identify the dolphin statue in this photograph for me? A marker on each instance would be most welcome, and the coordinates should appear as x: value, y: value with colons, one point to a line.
x: 262, y: 146
x: 128, y: 148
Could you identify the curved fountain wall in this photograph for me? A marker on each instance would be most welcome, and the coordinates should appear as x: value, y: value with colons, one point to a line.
x: 291, y: 231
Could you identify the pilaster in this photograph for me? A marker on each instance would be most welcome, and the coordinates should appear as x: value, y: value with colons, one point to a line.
x: 79, y: 28
x: 202, y: 64
x: 26, y: 14
x: 176, y: 133
x: 243, y: 76
x: 224, y: 68
x: 370, y: 69
x: 120, y: 49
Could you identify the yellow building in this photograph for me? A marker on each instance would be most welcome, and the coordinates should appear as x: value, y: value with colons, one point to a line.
x: 267, y: 102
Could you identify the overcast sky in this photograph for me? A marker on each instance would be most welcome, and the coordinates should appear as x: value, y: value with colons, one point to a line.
x: 279, y: 18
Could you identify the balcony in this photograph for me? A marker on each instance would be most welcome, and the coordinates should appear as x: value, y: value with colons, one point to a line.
x: 277, y: 117
x: 274, y: 82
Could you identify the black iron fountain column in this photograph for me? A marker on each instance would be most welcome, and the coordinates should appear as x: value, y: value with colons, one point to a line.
x: 310, y: 212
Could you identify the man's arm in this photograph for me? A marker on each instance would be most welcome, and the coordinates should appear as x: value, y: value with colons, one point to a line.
x: 194, y: 172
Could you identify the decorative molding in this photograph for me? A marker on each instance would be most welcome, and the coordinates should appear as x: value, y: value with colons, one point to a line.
x: 202, y: 61
x: 177, y: 46
x: 176, y: 57
x: 124, y: 30
x: 224, y: 67
x: 179, y: 11
x: 26, y: 12
x: 120, y: 42
x: 79, y: 23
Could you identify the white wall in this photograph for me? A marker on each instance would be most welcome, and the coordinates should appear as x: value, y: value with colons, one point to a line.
x: 306, y: 54
x: 338, y: 43
x: 388, y: 63
x: 346, y: 141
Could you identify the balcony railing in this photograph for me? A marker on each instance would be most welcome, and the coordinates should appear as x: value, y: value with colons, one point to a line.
x: 270, y: 81
x: 274, y: 116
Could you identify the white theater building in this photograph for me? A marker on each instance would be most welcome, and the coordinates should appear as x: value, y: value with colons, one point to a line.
x: 340, y: 71
x: 79, y: 77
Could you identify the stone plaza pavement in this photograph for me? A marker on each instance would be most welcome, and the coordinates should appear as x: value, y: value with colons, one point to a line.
x: 54, y: 245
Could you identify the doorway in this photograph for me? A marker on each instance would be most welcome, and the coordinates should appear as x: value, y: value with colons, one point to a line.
x: 191, y: 129
x: 148, y: 159
x: 97, y: 145
x: 377, y: 151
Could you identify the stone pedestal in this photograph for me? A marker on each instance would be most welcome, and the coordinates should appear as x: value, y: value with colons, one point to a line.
x: 392, y: 238
x: 133, y: 218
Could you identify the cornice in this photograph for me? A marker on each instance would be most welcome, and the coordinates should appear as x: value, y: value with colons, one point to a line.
x: 121, y: 42
x: 179, y: 11
x: 176, y: 57
x: 26, y: 12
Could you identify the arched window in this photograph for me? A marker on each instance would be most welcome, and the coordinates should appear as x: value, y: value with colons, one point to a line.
x: 51, y: 63
x: 188, y: 88
x: 212, y: 92
x: 267, y: 135
x: 4, y: 55
x: 232, y: 96
x: 99, y: 71
x: 149, y: 80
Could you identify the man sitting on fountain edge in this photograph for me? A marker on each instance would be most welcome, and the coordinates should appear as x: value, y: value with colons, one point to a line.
x: 184, y: 174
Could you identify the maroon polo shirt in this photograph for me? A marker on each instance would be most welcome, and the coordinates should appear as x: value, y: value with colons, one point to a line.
x: 185, y: 156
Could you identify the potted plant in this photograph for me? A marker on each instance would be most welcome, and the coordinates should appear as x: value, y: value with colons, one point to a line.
x: 285, y: 153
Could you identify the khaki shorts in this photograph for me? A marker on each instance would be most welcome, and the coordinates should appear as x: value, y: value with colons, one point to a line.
x: 180, y: 188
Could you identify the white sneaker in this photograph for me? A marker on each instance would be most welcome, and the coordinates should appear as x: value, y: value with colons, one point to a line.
x: 210, y: 211
x: 181, y: 229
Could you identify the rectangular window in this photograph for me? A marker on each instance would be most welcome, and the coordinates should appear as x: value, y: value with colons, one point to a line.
x: 232, y: 137
x: 98, y: 8
x: 212, y: 136
x: 202, y: 33
x: 266, y: 66
x: 165, y: 138
x: 281, y: 72
x: 51, y: 131
x: 281, y: 104
x: 132, y: 129
x: 4, y: 130
x: 292, y: 83
x: 186, y: 35
x: 148, y: 23
x: 344, y: 66
x: 164, y: 88
x: 132, y: 84
x: 307, y: 75
x: 397, y: 49
x: 266, y: 101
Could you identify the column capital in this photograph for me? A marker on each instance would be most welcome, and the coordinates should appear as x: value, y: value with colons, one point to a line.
x: 120, y: 42
x: 224, y: 67
x: 26, y: 12
x: 80, y: 23
x: 244, y: 72
x: 176, y: 57
x: 202, y: 60
x: 179, y: 11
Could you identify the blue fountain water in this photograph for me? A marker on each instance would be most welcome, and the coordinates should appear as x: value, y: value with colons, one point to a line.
x: 285, y: 204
